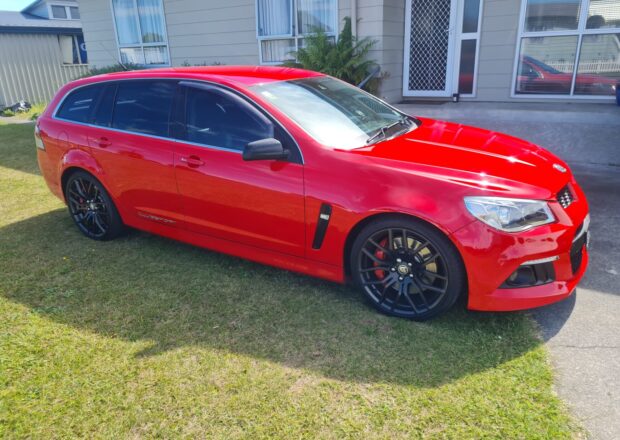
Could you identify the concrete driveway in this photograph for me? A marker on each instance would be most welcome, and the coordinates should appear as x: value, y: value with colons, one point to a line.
x: 582, y: 332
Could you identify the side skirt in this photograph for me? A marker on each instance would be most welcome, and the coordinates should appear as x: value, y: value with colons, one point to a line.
x: 282, y: 261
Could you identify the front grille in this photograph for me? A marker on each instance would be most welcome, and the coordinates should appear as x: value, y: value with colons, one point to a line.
x: 576, y: 251
x: 565, y: 197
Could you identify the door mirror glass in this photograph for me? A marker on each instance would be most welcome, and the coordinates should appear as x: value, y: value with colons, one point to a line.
x: 265, y: 149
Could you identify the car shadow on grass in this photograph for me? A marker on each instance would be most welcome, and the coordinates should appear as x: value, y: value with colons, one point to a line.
x: 146, y: 288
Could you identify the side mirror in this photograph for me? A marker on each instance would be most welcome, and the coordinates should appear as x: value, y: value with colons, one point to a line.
x: 265, y: 149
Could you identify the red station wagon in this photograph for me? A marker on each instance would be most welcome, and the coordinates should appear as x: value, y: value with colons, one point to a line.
x: 304, y: 172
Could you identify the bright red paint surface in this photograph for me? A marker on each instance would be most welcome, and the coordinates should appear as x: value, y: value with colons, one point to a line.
x: 267, y: 211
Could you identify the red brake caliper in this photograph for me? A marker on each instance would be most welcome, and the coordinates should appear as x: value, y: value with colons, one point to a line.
x: 380, y: 274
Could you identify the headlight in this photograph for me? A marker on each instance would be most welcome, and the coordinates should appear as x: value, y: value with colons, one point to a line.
x: 509, y: 215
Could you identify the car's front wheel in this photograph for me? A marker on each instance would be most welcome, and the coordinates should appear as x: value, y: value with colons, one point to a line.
x: 406, y: 268
x: 91, y: 207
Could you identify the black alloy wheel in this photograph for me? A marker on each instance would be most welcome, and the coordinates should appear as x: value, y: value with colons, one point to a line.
x: 407, y: 268
x: 91, y: 207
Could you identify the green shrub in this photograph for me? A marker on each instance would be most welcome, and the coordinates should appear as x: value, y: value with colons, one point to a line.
x: 110, y: 69
x: 8, y: 113
x: 345, y: 59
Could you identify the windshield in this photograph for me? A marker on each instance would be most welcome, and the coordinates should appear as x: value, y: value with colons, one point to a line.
x: 333, y: 112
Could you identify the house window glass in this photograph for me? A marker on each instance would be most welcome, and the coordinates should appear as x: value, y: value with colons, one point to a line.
x: 467, y: 67
x: 141, y: 31
x: 279, y: 19
x: 471, y: 13
x: 569, y: 48
x: 546, y: 65
x: 274, y: 18
x: 72, y: 49
x: 75, y: 13
x: 313, y: 15
x: 59, y: 12
x: 603, y: 14
x: 552, y: 15
x: 598, y: 72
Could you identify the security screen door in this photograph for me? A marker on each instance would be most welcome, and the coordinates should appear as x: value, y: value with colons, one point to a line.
x: 429, y: 46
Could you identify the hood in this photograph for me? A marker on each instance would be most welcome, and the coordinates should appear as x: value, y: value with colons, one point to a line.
x: 477, y: 156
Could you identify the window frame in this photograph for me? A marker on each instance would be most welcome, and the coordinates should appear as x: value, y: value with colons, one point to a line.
x: 459, y: 38
x: 71, y: 92
x: 67, y: 7
x: 294, y: 31
x: 296, y: 156
x: 142, y: 45
x: 75, y: 41
x: 580, y: 32
x: 179, y: 117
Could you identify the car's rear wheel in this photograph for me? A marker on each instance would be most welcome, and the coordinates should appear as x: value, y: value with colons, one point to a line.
x: 407, y: 268
x: 91, y: 207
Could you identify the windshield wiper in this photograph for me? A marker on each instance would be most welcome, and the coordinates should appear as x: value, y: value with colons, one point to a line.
x: 381, y: 132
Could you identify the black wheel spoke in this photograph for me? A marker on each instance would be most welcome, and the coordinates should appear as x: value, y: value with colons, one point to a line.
x: 88, y: 207
x: 372, y: 256
x: 378, y: 246
x: 395, y: 266
x: 373, y: 268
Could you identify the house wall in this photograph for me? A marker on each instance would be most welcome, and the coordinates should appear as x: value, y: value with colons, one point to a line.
x: 224, y: 31
x: 31, y: 68
x: 498, y: 39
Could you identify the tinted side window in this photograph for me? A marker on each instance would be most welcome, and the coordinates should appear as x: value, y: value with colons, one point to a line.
x: 79, y: 105
x: 143, y: 106
x: 222, y: 119
x: 103, y: 111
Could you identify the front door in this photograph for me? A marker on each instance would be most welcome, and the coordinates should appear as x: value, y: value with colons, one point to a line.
x: 429, y: 47
x: 257, y: 203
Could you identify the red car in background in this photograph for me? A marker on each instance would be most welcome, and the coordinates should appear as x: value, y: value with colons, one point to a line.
x: 538, y: 77
x: 305, y: 172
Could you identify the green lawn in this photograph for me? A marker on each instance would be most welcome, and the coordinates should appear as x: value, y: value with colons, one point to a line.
x: 147, y: 337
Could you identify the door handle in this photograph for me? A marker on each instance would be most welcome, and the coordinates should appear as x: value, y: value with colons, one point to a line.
x: 192, y: 161
x: 104, y: 142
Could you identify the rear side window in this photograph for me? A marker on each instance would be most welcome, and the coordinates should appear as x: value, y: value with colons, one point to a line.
x: 79, y: 105
x: 143, y: 106
x: 222, y: 119
x: 103, y: 112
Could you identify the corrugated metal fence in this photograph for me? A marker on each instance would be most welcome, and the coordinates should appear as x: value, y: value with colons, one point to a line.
x: 31, y: 68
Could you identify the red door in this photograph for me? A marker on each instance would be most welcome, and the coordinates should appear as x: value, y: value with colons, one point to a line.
x: 130, y: 145
x: 258, y: 203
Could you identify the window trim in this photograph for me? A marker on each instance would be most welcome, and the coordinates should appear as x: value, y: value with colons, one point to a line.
x: 259, y: 107
x: 141, y: 45
x: 460, y: 37
x: 293, y: 35
x: 579, y: 32
x: 67, y: 7
x: 79, y: 53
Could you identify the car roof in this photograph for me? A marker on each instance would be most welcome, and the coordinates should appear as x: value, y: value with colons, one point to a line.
x: 240, y: 75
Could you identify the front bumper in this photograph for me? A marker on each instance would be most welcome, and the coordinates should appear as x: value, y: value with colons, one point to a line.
x: 491, y: 256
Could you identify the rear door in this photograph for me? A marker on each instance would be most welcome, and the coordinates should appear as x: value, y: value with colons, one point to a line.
x: 257, y: 203
x: 129, y: 138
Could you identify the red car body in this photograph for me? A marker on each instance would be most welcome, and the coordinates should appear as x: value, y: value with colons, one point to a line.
x: 267, y: 211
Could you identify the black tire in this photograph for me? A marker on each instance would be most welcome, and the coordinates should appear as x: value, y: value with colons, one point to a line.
x: 92, y: 208
x: 407, y: 268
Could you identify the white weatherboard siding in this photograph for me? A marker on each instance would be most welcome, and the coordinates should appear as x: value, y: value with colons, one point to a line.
x: 213, y: 31
x: 383, y: 21
x: 31, y: 68
x: 498, y: 38
x: 222, y: 31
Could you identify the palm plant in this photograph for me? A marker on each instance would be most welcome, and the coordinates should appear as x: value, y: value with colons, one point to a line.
x: 345, y: 58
